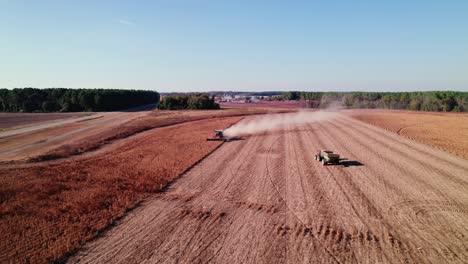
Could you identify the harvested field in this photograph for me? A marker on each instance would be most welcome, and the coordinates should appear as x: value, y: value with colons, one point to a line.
x: 265, y: 199
x: 260, y: 199
x: 446, y: 131
x: 49, y: 209
x: 12, y: 120
x: 36, y: 142
x: 275, y: 104
x: 80, y: 137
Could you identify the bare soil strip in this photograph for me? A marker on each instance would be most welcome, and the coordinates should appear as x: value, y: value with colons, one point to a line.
x: 264, y: 199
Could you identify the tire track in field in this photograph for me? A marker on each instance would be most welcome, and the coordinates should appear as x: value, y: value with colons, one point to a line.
x: 344, y: 235
x: 371, y: 210
x: 239, y: 154
x: 292, y: 211
x: 395, y: 238
x: 398, y: 166
x: 264, y: 199
x: 324, y: 182
x: 403, y: 164
x: 423, y: 150
x: 430, y: 166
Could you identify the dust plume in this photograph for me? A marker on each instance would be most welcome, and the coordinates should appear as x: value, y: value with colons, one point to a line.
x: 276, y: 121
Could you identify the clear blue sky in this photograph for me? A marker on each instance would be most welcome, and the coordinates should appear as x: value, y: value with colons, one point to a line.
x: 201, y: 45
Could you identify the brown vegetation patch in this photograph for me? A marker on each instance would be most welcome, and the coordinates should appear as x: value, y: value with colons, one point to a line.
x: 50, y: 209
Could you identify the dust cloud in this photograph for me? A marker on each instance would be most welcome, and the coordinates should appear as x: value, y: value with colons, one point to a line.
x: 273, y: 122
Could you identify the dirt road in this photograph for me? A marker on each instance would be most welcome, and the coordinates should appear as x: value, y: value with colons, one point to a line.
x: 265, y: 200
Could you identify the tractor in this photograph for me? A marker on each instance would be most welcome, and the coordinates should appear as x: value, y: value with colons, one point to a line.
x: 327, y: 157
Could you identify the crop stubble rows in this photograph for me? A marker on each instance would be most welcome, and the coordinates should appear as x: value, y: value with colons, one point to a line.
x: 264, y: 199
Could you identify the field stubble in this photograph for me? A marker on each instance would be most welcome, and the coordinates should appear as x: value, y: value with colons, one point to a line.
x: 446, y: 131
x: 82, y: 137
x: 264, y: 199
x: 49, y: 209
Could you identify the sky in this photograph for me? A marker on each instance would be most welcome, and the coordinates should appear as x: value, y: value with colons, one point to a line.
x: 185, y: 46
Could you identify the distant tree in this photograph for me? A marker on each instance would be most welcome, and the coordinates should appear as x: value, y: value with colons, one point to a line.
x: 86, y: 100
x: 415, y: 104
x: 293, y: 95
x: 195, y: 101
x: 430, y: 103
x: 449, y: 103
x: 462, y: 103
x: 49, y: 106
x: 348, y: 100
x: 70, y: 100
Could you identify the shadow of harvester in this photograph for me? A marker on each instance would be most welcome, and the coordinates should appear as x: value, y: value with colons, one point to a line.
x: 350, y: 163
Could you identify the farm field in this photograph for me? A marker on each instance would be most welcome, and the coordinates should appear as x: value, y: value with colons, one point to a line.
x: 13, y: 120
x: 259, y: 199
x: 79, y: 137
x: 232, y: 132
x: 50, y: 208
x: 446, y: 131
x: 279, y: 104
x: 37, y: 142
x: 265, y: 199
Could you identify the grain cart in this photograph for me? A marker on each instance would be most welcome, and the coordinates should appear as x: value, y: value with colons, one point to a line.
x: 327, y: 157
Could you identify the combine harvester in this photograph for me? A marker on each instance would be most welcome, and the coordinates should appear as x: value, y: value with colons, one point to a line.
x: 327, y: 157
x: 219, y: 136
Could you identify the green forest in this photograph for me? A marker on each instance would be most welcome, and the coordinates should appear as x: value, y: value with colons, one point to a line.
x: 446, y: 101
x: 188, y: 101
x: 73, y: 100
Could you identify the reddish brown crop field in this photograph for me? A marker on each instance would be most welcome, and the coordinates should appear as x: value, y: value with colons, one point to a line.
x: 265, y: 199
x: 152, y: 120
x: 390, y: 200
x: 79, y: 137
x: 49, y: 209
x: 58, y: 193
x: 446, y: 131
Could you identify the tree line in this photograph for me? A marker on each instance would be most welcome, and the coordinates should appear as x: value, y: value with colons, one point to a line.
x: 73, y: 100
x: 446, y: 101
x: 187, y: 101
